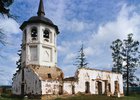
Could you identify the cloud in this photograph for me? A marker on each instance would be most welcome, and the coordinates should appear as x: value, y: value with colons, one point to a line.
x: 7, y: 63
x: 94, y: 23
x: 97, y: 45
x: 69, y: 58
x: 89, y: 51
x: 126, y: 22
x: 9, y: 25
x: 6, y: 74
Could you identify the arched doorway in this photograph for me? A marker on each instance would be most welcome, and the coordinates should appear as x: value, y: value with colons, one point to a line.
x: 99, y: 87
x: 117, y: 87
x: 60, y: 89
x: 73, y: 89
x: 87, y: 87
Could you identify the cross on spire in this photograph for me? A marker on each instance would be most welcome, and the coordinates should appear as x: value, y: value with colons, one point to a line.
x: 41, y: 11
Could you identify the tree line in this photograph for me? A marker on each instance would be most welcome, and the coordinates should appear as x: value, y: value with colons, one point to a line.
x: 126, y: 59
x: 125, y: 53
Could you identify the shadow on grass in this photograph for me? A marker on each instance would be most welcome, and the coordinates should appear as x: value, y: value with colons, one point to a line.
x: 99, y: 97
x: 78, y: 97
x: 11, y: 97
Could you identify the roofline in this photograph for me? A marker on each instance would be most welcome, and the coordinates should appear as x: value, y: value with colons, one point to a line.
x: 25, y: 23
x: 100, y: 70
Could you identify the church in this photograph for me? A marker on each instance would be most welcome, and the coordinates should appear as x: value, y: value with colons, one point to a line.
x: 39, y: 75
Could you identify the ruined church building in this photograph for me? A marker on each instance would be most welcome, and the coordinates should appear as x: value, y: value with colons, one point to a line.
x: 39, y: 74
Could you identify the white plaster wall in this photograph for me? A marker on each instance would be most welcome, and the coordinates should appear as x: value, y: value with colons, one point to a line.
x: 51, y: 45
x: 23, y: 56
x: 16, y: 86
x: 41, y: 43
x: 92, y: 87
x: 103, y: 87
x: 92, y: 76
x: 33, y: 85
x: 121, y: 83
x: 50, y: 87
x: 32, y: 82
x: 67, y: 87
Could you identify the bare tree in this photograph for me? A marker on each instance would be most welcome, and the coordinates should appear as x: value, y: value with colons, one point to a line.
x: 4, y: 4
x: 4, y: 10
x: 2, y: 37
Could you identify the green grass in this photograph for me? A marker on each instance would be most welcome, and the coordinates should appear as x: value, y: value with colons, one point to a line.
x: 86, y: 97
x: 97, y: 97
x: 2, y: 98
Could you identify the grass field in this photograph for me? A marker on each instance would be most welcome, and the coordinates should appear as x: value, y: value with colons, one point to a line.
x: 97, y: 97
x: 87, y: 97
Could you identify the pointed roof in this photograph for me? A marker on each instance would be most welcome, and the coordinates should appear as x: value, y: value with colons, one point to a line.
x: 40, y: 19
x: 41, y: 11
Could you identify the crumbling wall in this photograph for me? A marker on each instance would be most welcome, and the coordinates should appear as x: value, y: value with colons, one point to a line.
x: 16, y: 85
x: 94, y: 77
x: 67, y: 86
x: 32, y: 83
x: 50, y: 87
x: 99, y: 82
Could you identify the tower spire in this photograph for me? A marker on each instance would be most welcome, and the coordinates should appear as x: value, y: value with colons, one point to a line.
x: 41, y: 11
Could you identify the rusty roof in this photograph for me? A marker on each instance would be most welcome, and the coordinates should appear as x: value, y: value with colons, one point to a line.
x: 43, y: 71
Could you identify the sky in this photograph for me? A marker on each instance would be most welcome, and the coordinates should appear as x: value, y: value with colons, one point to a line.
x: 95, y: 23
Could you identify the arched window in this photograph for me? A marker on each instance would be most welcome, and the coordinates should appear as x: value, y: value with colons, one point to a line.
x: 87, y: 87
x: 73, y: 89
x: 49, y: 75
x: 116, y: 87
x: 46, y: 33
x: 34, y: 32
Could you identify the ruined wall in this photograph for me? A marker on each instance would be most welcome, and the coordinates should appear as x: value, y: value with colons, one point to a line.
x: 94, y: 82
x: 94, y: 77
x: 67, y: 87
x: 50, y: 87
x: 16, y: 85
x: 32, y: 82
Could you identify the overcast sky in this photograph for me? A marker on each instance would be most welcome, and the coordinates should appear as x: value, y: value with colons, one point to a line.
x: 95, y: 23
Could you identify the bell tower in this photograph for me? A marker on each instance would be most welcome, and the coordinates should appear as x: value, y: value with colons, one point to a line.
x: 39, y: 40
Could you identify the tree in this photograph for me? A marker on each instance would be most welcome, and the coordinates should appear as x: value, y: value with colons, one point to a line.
x: 4, y: 4
x: 131, y: 58
x: 117, y: 56
x: 2, y: 36
x: 127, y: 59
x: 2, y: 40
x: 81, y: 59
x: 18, y: 63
